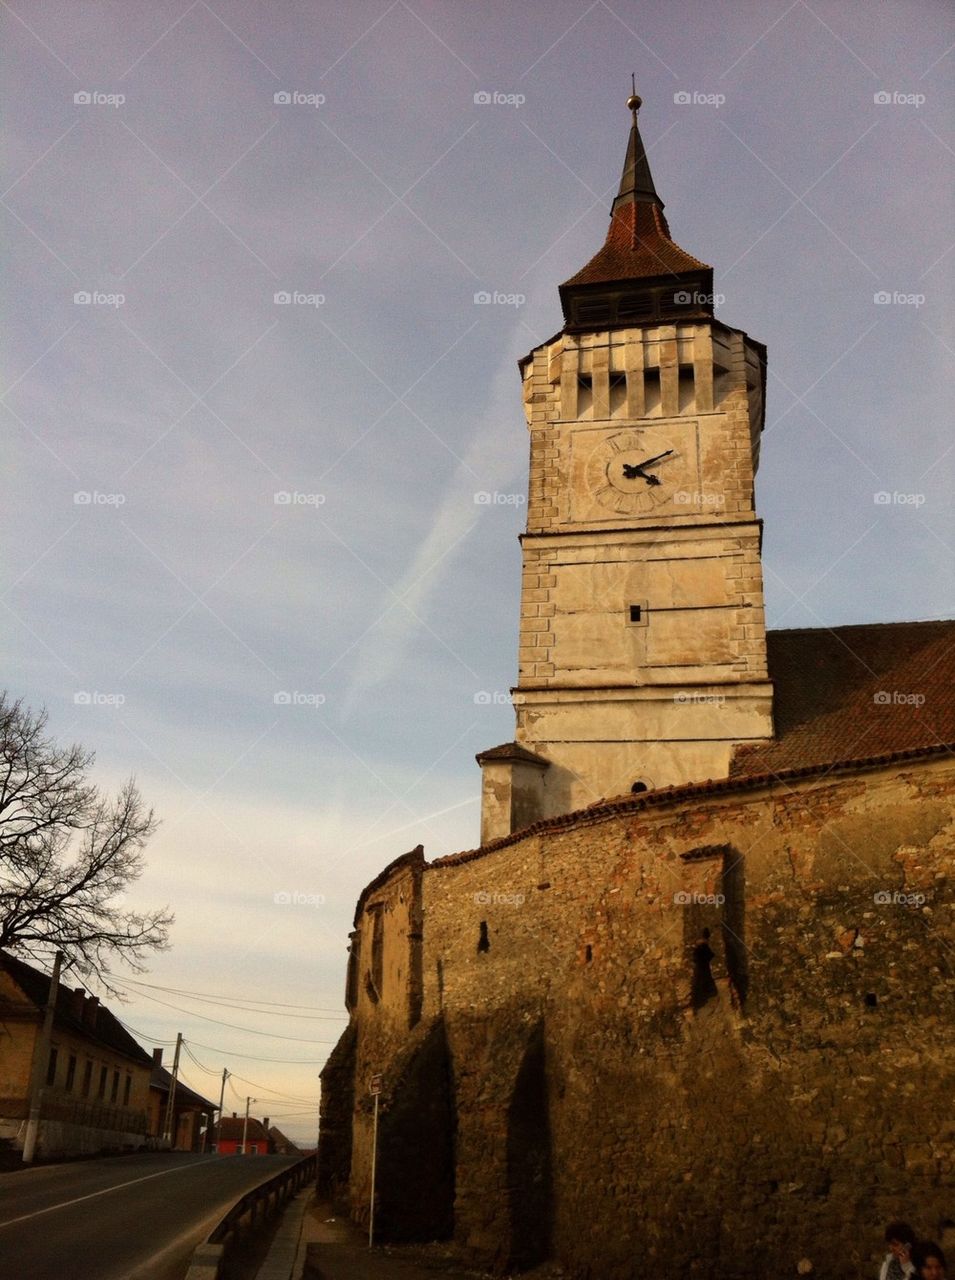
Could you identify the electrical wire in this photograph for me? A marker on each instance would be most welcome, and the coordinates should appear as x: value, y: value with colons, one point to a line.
x: 191, y: 1013
x: 206, y: 995
x: 290, y: 1062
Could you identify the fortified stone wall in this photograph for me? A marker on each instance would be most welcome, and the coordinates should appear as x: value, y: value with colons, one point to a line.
x: 561, y: 1080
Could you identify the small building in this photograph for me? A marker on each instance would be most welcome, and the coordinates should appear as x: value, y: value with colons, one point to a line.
x: 193, y: 1117
x: 96, y: 1083
x: 282, y: 1145
x: 255, y: 1132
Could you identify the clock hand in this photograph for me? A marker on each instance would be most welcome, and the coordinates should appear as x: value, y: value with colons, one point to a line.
x: 632, y: 470
x: 647, y: 462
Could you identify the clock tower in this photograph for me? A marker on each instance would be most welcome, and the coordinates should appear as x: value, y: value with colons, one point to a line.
x: 642, y: 658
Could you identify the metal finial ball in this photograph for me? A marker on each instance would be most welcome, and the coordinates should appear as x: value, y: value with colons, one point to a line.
x: 634, y: 102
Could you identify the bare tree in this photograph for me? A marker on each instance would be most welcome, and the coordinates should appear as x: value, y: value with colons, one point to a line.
x: 68, y: 854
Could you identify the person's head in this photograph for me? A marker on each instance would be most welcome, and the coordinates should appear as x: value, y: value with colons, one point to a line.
x: 900, y: 1239
x: 930, y: 1262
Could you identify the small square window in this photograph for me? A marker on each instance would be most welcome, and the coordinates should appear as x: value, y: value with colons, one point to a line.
x: 637, y: 614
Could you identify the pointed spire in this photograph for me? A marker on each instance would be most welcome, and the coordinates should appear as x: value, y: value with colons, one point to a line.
x: 640, y: 274
x: 636, y: 181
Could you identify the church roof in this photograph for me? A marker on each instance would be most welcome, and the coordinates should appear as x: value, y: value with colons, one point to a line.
x: 638, y: 244
x: 846, y: 693
x: 511, y: 751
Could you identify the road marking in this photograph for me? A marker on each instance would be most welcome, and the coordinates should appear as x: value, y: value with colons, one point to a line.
x: 65, y: 1204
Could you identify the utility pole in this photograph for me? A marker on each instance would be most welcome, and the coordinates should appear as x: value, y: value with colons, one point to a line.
x: 167, y: 1127
x: 225, y: 1076
x: 41, y: 1057
x: 245, y: 1126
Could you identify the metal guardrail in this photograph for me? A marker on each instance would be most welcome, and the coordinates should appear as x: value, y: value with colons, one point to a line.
x: 211, y: 1260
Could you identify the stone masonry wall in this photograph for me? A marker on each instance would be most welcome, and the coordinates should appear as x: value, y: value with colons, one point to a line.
x: 592, y: 1096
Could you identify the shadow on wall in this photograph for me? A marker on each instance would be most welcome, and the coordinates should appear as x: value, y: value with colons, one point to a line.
x: 529, y: 1160
x: 416, y: 1146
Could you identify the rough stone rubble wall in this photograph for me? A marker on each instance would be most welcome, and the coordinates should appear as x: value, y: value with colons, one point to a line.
x: 558, y: 1051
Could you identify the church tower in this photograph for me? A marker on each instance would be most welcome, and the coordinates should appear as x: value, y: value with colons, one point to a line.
x: 642, y: 657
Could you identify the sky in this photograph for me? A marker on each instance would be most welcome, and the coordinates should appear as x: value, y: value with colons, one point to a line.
x: 264, y: 454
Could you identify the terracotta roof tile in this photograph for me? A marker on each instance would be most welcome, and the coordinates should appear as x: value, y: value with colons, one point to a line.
x: 638, y: 245
x: 842, y: 693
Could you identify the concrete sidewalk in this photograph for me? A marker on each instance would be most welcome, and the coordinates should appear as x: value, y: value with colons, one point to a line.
x: 313, y: 1243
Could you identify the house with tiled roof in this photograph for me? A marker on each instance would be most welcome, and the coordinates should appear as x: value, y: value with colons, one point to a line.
x: 95, y: 1080
x: 190, y: 1125
x: 238, y: 1135
x: 689, y: 1001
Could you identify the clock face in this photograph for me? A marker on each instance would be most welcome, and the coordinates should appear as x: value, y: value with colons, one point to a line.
x: 634, y: 472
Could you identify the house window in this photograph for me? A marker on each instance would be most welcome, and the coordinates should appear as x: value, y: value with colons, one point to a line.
x: 114, y: 1092
x: 126, y: 1089
x: 101, y: 1091
x: 70, y: 1073
x: 51, y: 1068
x: 87, y: 1078
x: 253, y: 1150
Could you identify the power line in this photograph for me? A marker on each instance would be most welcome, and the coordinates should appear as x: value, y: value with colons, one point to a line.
x: 141, y: 1035
x: 291, y: 1062
x: 238, y: 1000
x: 291, y: 1097
x: 191, y: 1013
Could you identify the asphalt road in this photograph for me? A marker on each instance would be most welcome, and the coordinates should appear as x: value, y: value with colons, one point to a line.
x: 126, y: 1218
